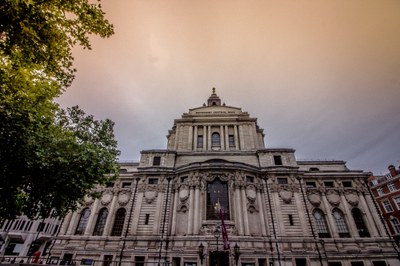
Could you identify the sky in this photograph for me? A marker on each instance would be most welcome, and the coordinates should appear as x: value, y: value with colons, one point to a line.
x: 322, y: 77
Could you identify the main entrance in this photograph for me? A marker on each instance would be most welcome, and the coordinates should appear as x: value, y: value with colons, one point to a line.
x: 219, y: 258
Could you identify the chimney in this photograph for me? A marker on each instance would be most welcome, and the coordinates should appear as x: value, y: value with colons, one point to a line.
x: 392, y: 170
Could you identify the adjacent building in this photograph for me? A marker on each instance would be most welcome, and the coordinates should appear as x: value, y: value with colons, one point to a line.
x: 386, y: 190
x: 217, y: 195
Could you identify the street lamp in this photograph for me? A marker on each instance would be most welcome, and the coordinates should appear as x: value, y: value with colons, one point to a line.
x: 217, y: 233
x: 201, y: 253
x: 236, y: 253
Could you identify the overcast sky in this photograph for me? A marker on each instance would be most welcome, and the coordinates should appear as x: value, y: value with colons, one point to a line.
x: 322, y: 77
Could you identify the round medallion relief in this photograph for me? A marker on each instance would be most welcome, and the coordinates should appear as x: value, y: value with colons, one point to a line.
x: 333, y: 197
x: 106, y: 198
x: 315, y: 199
x: 286, y: 196
x: 352, y: 198
x: 123, y: 198
x: 251, y: 194
x: 183, y: 194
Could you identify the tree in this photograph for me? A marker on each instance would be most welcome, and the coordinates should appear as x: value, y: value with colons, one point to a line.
x: 49, y: 158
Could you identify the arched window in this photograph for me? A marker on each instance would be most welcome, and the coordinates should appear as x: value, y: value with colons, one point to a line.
x: 320, y: 222
x: 118, y: 222
x: 340, y: 223
x: 217, y: 197
x: 396, y: 224
x: 215, y: 140
x: 101, y: 222
x: 360, y: 224
x: 83, y: 220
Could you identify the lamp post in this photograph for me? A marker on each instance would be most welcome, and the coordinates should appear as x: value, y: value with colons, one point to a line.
x: 201, y: 253
x: 217, y: 233
x: 236, y: 253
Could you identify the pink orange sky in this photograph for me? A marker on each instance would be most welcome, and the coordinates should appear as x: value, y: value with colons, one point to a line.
x: 322, y: 77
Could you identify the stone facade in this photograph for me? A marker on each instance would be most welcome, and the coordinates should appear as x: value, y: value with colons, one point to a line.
x: 217, y: 175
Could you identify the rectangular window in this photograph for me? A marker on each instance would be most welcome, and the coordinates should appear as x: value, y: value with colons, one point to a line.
x: 328, y: 184
x: 277, y: 160
x: 397, y: 200
x: 249, y: 179
x: 156, y: 160
x: 139, y: 261
x: 107, y: 260
x: 379, y: 263
x: 311, y: 184
x: 200, y: 141
x: 231, y: 139
x: 153, y: 181
x: 126, y: 184
x: 282, y: 181
x: 391, y: 187
x: 347, y: 184
x: 357, y: 263
x: 387, y: 206
x: 291, y: 219
x: 379, y: 191
x: 146, y: 221
x: 301, y: 262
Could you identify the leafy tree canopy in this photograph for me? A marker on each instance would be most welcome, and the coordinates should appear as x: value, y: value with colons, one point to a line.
x: 49, y: 157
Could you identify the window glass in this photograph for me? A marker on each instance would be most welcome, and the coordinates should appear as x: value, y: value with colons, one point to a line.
x: 118, y: 222
x: 391, y: 187
x: 396, y: 225
x: 231, y: 141
x: 311, y: 184
x: 277, y: 160
x: 340, y: 223
x: 217, y: 197
x: 379, y: 191
x: 153, y: 181
x: 320, y: 222
x: 156, y: 160
x: 387, y: 206
x: 360, y: 224
x: 200, y: 141
x: 282, y: 181
x: 80, y: 229
x: 397, y: 200
x: 215, y: 140
x: 101, y: 222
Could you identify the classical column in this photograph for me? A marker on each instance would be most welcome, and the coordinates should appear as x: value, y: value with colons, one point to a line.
x: 195, y: 136
x: 157, y: 215
x: 331, y: 220
x: 244, y: 209
x: 375, y: 214
x: 197, y: 210
x: 73, y: 223
x: 238, y: 213
x: 236, y: 134
x: 222, y: 137
x: 93, y: 214
x: 371, y: 225
x: 174, y: 213
x: 205, y: 139
x: 191, y: 210
x: 65, y: 224
x: 190, y: 138
x: 226, y: 138
x: 208, y: 137
x: 110, y: 216
x: 251, y: 135
x: 262, y: 216
x: 350, y: 220
x: 241, y: 138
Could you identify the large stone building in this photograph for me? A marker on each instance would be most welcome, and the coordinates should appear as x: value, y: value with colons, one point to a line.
x: 217, y: 182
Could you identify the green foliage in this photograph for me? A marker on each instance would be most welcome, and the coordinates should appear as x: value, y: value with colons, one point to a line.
x: 49, y: 158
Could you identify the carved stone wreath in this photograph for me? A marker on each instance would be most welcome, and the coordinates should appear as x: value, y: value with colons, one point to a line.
x: 352, y: 198
x: 286, y: 196
x: 106, y: 198
x: 333, y: 197
x: 123, y: 198
x: 315, y: 198
x: 150, y: 196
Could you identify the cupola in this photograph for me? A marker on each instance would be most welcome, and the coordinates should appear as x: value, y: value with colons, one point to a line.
x: 213, y: 100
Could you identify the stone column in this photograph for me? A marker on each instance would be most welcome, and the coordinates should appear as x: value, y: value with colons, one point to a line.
x: 158, y: 215
x: 244, y: 209
x: 65, y: 224
x: 350, y: 220
x: 226, y: 138
x: 208, y: 137
x: 299, y: 201
x: 278, y: 211
x: 174, y: 213
x: 222, y: 137
x: 235, y: 130
x: 238, y: 212
x: 73, y: 223
x: 205, y: 138
x: 370, y: 223
x: 195, y: 139
x: 91, y: 220
x: 331, y: 220
x: 191, y: 210
x: 197, y: 210
x: 375, y: 214
x: 190, y: 138
x: 241, y: 138
x: 110, y: 216
x: 261, y: 212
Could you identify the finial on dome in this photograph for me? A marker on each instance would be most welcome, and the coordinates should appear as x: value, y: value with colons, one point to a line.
x: 213, y: 99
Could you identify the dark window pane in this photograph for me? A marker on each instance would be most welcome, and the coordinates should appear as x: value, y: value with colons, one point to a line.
x: 118, y: 222
x: 217, y: 194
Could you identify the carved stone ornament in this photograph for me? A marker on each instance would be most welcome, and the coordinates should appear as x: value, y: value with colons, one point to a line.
x: 286, y: 196
x: 123, y: 198
x: 182, y: 208
x: 333, y: 197
x: 352, y: 198
x: 183, y: 194
x: 314, y: 198
x: 106, y: 198
x: 88, y: 200
x: 251, y: 193
x: 150, y: 196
